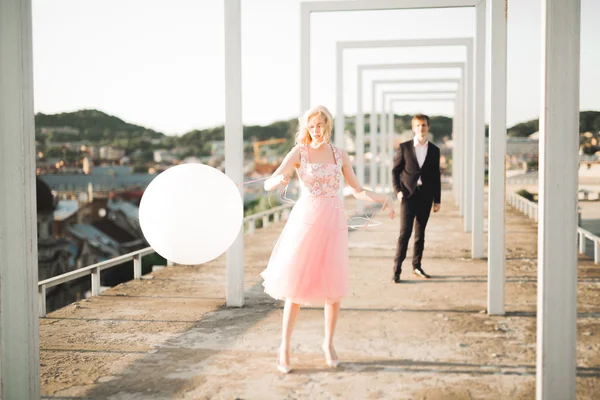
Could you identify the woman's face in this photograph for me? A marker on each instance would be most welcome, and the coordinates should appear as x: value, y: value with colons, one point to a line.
x: 316, y: 128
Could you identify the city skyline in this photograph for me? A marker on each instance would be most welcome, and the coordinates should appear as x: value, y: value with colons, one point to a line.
x: 163, y: 67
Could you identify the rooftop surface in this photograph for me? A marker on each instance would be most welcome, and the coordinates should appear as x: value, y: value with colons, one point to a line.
x: 170, y: 335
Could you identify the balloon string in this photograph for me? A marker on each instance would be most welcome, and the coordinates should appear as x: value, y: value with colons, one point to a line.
x: 253, y: 181
x: 369, y: 220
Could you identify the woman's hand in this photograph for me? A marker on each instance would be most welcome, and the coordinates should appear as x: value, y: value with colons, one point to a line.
x: 276, y: 180
x: 284, y: 180
x: 388, y: 204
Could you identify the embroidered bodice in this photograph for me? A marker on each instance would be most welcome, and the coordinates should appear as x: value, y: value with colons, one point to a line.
x: 320, y: 179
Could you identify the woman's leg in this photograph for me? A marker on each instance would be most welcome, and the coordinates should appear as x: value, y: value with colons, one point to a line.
x: 331, y: 315
x: 290, y: 312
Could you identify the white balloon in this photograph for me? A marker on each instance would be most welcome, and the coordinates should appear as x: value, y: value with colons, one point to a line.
x: 191, y: 213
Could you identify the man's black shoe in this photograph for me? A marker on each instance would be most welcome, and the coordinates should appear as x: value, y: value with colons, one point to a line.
x: 419, y: 273
x: 396, y: 279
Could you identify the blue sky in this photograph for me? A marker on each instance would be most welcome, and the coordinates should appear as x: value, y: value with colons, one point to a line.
x: 161, y: 64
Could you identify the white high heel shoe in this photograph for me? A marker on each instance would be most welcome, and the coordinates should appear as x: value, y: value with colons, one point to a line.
x: 284, y: 369
x: 333, y: 363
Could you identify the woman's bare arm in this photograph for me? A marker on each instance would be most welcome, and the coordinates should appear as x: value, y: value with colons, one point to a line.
x: 361, y: 193
x: 283, y: 173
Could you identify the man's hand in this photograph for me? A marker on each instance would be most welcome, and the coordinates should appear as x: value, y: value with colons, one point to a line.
x: 436, y: 207
x: 399, y: 196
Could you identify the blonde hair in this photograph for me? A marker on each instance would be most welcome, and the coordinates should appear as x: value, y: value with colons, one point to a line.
x: 303, y: 137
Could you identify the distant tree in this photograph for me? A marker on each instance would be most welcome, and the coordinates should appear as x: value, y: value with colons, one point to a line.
x: 589, y: 121
x: 526, y: 194
x: 139, y: 169
x: 53, y: 152
x: 524, y: 129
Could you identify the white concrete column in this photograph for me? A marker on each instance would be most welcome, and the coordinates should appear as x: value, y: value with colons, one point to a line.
x: 478, y: 165
x: 338, y: 134
x: 390, y: 149
x: 19, y: 337
x: 557, y: 228
x: 360, y: 133
x: 456, y: 155
x: 340, y: 120
x: 460, y: 114
x: 383, y: 170
x: 468, y: 143
x: 497, y: 154
x: 374, y: 137
x: 234, y: 152
x: 304, y: 57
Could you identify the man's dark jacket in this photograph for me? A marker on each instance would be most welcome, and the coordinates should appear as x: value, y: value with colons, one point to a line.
x: 406, y: 171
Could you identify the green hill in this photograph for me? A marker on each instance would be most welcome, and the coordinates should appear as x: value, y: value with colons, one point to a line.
x: 94, y: 126
x: 97, y: 127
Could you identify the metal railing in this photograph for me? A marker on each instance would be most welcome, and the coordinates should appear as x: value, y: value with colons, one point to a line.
x: 522, y: 181
x: 526, y: 206
x: 93, y: 270
x: 279, y: 213
x: 530, y: 208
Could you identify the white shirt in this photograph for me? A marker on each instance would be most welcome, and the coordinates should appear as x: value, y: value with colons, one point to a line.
x: 421, y: 152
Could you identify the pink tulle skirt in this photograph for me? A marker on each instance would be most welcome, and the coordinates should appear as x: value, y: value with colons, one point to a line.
x: 309, y: 263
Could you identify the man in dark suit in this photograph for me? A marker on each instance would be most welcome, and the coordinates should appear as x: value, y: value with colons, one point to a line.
x: 417, y: 183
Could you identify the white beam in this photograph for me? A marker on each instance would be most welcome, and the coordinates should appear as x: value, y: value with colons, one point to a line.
x: 425, y: 80
x: 450, y: 99
x: 390, y: 146
x: 457, y: 152
x: 19, y: 324
x: 383, y: 153
x: 454, y: 134
x: 468, y: 145
x: 368, y: 44
x: 460, y: 145
x: 413, y: 65
x: 478, y: 166
x: 497, y: 155
x: 338, y: 134
x: 304, y: 58
x: 365, y: 5
x: 413, y: 100
x: 234, y: 152
x: 373, y: 139
x: 557, y: 229
x: 418, y: 92
x: 360, y: 138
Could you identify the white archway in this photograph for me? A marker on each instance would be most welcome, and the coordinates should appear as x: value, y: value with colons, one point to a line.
x: 456, y: 128
x: 342, y: 46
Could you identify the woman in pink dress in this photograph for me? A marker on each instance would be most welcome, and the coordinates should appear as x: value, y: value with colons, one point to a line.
x: 309, y: 264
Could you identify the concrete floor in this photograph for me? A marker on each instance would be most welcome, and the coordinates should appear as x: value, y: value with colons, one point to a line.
x: 169, y: 336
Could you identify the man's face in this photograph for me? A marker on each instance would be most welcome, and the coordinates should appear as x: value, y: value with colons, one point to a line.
x: 420, y: 128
